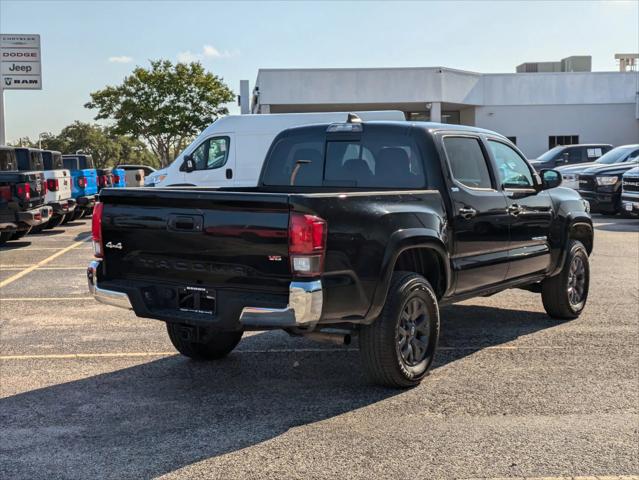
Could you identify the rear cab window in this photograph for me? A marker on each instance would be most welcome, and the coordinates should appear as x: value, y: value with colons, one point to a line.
x: 70, y: 163
x: 377, y: 157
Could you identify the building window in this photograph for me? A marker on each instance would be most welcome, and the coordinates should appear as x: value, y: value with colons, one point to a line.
x: 417, y: 116
x: 451, y: 117
x: 555, y: 140
x: 513, y: 140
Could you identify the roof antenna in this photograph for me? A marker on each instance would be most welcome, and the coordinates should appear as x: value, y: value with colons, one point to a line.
x: 353, y: 118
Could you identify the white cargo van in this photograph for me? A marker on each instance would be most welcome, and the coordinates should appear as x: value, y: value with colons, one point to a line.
x: 230, y: 152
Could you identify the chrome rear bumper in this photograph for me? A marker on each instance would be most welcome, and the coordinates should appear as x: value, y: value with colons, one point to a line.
x: 108, y: 297
x: 304, y: 309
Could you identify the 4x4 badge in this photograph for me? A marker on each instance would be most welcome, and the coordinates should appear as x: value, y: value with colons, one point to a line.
x: 114, y: 245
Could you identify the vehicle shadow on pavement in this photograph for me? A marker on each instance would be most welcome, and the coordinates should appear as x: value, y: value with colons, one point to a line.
x: 157, y: 417
x: 50, y: 233
x: 14, y: 245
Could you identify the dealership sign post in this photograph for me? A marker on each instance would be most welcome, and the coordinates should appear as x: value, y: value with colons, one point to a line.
x: 20, y: 68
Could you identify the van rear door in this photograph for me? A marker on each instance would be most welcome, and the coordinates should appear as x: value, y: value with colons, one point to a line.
x: 213, y: 160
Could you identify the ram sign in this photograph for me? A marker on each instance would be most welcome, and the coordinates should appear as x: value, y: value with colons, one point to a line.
x: 20, y: 65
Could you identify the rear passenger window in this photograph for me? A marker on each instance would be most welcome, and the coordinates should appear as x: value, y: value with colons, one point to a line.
x: 467, y: 162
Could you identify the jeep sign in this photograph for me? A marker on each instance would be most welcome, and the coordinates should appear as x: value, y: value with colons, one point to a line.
x: 20, y: 65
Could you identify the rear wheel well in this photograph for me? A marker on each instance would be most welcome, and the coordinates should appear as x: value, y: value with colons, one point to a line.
x: 425, y: 262
x: 583, y: 233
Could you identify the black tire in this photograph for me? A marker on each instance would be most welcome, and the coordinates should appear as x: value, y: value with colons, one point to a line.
x: 68, y: 217
x: 565, y: 295
x: 5, y: 237
x: 55, y: 221
x: 219, y: 345
x: 19, y: 234
x: 38, y: 229
x: 380, y: 344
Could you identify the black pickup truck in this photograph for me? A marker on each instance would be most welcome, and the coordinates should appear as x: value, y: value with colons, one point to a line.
x: 22, y: 196
x: 354, y: 229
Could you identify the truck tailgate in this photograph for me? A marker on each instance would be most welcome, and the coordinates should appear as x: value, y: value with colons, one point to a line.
x: 197, y: 237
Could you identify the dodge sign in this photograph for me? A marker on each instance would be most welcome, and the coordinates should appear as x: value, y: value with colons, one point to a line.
x: 20, y: 65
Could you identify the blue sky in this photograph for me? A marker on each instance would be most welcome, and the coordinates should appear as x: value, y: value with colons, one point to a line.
x: 87, y: 45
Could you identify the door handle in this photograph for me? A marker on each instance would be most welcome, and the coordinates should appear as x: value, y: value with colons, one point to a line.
x: 514, y: 210
x: 229, y: 173
x: 467, y: 212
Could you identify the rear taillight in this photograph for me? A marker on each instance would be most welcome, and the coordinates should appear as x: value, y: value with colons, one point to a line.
x: 5, y: 193
x: 116, y: 179
x: 82, y: 182
x: 53, y: 184
x: 44, y: 188
x: 307, y: 244
x: 102, y: 180
x: 96, y: 229
x: 23, y: 191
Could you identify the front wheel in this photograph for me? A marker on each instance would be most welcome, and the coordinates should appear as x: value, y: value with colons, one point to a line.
x: 564, y: 295
x: 399, y: 347
x: 218, y: 344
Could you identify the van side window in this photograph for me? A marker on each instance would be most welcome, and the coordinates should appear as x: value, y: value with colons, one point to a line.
x: 513, y: 171
x: 467, y: 162
x: 211, y: 154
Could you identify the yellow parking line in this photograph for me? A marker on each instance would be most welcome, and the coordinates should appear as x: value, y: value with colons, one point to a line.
x: 20, y: 267
x: 41, y: 299
x: 30, y: 269
x: 35, y: 249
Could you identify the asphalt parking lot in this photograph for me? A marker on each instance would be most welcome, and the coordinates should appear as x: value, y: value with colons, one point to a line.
x: 91, y: 391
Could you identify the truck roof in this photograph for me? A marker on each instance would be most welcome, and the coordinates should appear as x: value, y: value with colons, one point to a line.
x: 429, y: 126
x: 276, y: 122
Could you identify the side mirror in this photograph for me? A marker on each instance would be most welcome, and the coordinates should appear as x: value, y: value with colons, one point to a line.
x: 550, y: 179
x: 188, y: 165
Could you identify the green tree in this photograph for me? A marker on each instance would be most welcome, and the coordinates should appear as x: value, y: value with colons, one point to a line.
x: 105, y: 146
x: 165, y: 105
x: 90, y: 139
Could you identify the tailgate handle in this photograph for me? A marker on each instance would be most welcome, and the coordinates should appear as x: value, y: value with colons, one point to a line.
x: 185, y: 223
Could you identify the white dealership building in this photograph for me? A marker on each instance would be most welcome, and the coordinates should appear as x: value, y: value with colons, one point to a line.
x: 536, y: 110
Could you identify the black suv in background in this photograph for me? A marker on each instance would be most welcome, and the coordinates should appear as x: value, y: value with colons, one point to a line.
x: 570, y: 155
x: 601, y: 185
x: 22, y: 193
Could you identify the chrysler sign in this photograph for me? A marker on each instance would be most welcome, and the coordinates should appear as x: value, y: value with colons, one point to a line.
x: 20, y: 65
